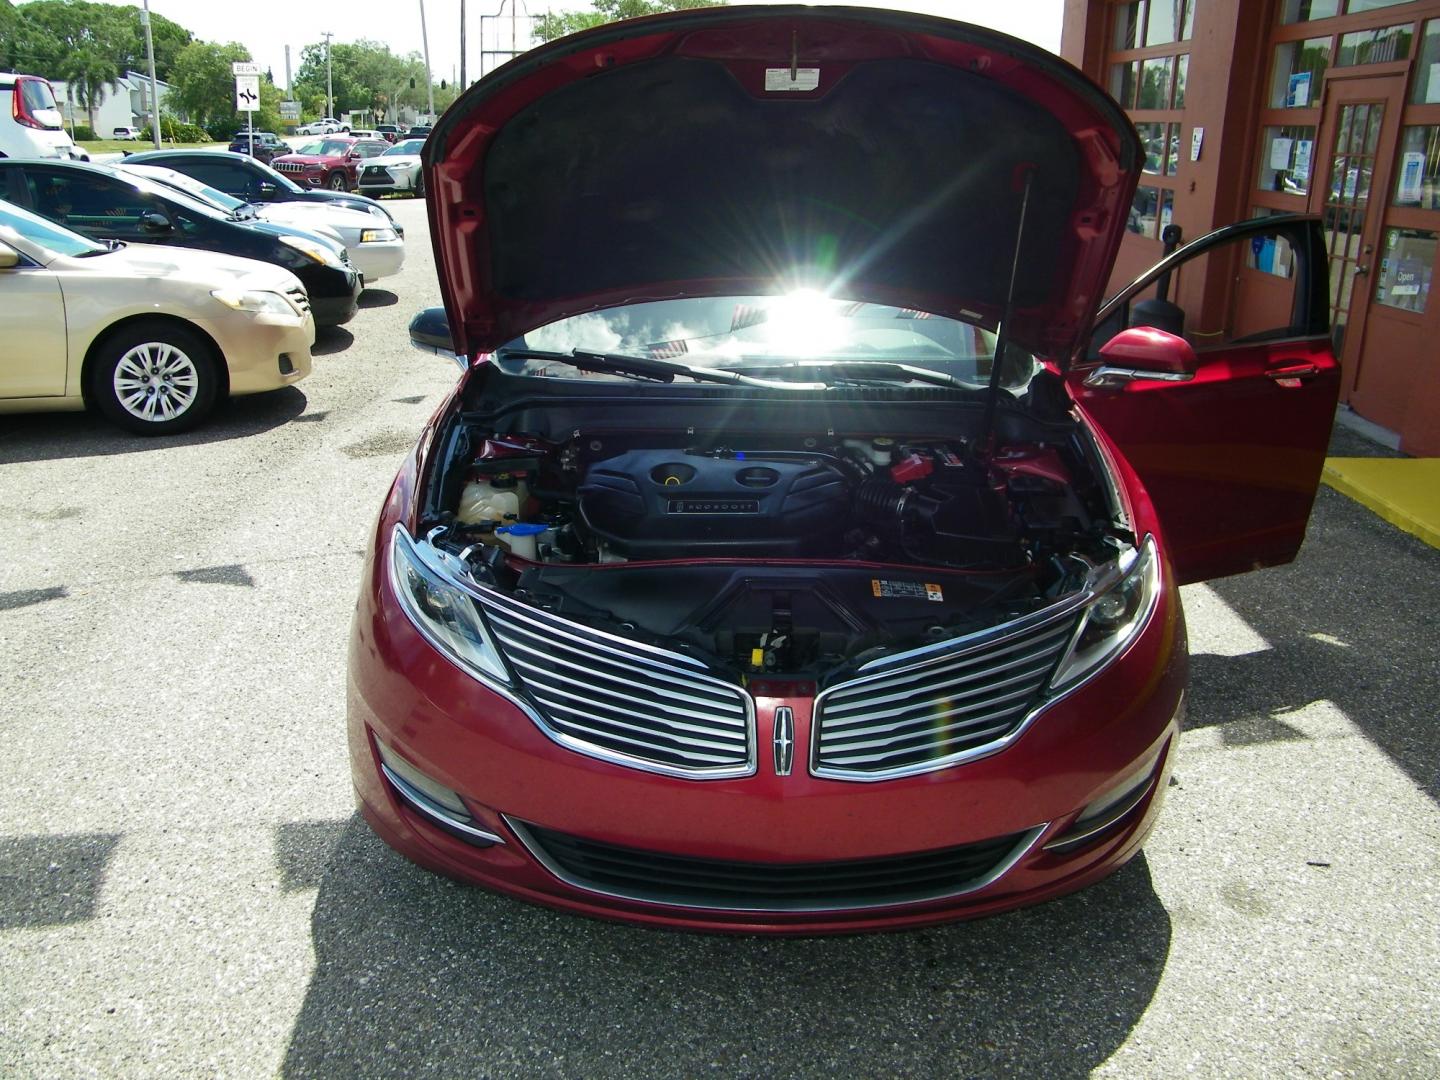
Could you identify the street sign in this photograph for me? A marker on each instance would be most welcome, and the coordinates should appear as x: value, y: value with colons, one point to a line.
x: 289, y: 110
x: 247, y: 92
x: 244, y: 67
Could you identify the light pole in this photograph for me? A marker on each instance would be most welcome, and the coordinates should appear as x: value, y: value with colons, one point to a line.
x: 154, y: 90
x: 429, y: 83
x: 329, y: 85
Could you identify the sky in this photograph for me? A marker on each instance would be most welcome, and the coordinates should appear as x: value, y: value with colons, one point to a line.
x: 267, y: 26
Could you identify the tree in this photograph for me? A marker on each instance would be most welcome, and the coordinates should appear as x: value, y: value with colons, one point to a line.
x: 52, y: 37
x: 550, y: 27
x: 202, y: 86
x: 366, y: 75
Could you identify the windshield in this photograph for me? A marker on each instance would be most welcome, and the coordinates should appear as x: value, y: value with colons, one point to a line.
x: 174, y: 196
x: 776, y: 334
x: 409, y: 146
x: 46, y: 233
x: 196, y: 189
x: 329, y: 147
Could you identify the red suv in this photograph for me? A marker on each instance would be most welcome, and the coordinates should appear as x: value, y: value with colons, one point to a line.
x: 331, y: 161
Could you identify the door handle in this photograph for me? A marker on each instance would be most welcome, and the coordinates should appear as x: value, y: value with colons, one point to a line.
x: 1361, y: 269
x: 1293, y: 375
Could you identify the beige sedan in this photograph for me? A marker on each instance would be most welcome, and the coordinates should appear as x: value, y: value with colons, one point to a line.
x: 151, y: 336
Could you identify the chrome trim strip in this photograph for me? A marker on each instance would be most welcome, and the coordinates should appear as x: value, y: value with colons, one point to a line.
x: 1111, y: 817
x: 1022, y: 848
x: 461, y: 580
x: 414, y: 797
x: 1111, y: 378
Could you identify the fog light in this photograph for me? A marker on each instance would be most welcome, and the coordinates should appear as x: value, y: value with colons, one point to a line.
x: 1105, y: 813
x: 432, y: 798
x: 287, y: 366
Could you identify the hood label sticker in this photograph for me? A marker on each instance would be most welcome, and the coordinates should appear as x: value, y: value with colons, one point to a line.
x: 906, y: 590
x: 792, y: 78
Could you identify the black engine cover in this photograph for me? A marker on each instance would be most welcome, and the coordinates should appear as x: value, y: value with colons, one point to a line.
x: 666, y: 504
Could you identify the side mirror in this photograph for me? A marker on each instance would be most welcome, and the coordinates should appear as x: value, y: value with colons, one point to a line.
x: 430, y: 332
x: 9, y: 257
x: 1151, y: 350
x: 155, y: 224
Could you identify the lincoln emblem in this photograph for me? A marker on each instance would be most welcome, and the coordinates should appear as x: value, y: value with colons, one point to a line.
x: 784, y: 740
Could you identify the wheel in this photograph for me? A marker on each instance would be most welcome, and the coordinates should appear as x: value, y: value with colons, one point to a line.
x: 155, y: 378
x: 337, y: 182
x: 419, y: 185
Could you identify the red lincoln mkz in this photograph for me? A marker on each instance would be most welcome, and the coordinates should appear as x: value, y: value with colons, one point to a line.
x: 800, y: 550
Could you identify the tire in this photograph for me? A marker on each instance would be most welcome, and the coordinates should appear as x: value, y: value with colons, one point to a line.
x: 419, y: 188
x: 155, y: 378
x: 337, y: 182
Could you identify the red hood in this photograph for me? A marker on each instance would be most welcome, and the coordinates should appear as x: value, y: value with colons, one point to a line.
x: 657, y: 158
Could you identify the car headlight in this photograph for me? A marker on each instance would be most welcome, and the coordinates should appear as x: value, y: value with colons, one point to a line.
x: 440, y: 610
x: 377, y: 236
x: 1114, y: 618
x: 267, y: 303
x: 312, y: 249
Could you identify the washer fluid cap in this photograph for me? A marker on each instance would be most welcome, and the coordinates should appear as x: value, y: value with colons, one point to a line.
x: 523, y: 529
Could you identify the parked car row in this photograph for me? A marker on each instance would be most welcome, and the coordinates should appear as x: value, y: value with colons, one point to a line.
x: 331, y: 162
x: 151, y: 336
x: 397, y: 169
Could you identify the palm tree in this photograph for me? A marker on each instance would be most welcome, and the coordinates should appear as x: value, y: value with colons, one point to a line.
x: 90, y: 74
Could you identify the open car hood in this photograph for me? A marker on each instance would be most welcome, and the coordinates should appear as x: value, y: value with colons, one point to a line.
x: 675, y: 156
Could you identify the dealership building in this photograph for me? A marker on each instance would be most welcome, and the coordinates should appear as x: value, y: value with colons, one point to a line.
x: 1259, y: 107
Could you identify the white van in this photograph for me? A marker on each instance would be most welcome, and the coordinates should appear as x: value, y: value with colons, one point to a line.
x: 30, y: 124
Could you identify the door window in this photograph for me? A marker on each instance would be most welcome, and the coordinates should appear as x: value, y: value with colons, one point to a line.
x: 93, y: 205
x: 1357, y: 138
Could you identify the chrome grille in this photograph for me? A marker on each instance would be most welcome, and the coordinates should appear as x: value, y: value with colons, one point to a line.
x: 299, y: 298
x: 621, y: 700
x: 287, y: 166
x: 938, y: 707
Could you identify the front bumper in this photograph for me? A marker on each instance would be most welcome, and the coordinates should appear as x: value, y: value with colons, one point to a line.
x: 334, y: 293
x: 263, y: 352
x: 378, y: 260
x: 519, y: 785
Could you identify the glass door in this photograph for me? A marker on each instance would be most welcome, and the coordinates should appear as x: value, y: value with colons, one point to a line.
x: 1358, y: 133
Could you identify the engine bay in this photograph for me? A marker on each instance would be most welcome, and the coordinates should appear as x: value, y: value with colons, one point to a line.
x: 795, y: 556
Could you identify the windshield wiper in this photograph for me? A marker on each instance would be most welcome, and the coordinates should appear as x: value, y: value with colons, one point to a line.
x: 866, y: 369
x: 641, y: 367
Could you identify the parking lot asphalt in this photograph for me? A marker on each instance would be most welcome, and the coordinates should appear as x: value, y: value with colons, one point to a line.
x: 185, y: 889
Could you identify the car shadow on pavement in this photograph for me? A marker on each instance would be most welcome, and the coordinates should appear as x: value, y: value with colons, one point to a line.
x: 418, y: 976
x: 330, y: 340
x: 56, y: 436
x: 372, y: 298
x: 1351, y: 621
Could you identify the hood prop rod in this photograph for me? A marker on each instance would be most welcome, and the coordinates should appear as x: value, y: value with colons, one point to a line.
x: 1002, y: 335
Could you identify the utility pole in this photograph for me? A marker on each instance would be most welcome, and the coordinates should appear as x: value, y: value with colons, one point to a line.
x: 429, y: 83
x: 154, y: 90
x: 329, y: 85
x: 463, y: 83
x: 288, y: 95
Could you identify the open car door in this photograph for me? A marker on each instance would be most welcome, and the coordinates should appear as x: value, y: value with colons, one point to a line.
x: 1224, y: 409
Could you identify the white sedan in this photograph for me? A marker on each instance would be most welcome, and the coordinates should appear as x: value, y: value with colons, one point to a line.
x: 397, y: 169
x: 151, y: 336
x: 375, y: 248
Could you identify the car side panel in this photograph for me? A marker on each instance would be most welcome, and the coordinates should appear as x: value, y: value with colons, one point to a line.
x: 33, y: 341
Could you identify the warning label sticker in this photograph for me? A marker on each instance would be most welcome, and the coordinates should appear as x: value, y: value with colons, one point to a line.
x: 907, y: 590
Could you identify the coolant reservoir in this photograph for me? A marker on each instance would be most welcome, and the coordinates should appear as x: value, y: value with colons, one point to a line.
x: 487, y: 498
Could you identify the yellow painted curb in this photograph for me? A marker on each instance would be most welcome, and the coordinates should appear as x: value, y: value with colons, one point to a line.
x: 1403, y: 491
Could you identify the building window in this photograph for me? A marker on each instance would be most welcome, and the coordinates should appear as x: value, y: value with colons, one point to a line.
x: 1417, y: 182
x: 1152, y: 22
x: 1162, y: 147
x: 1425, y: 86
x: 1405, y: 269
x: 1299, y: 69
x: 1285, y: 159
x: 1152, y: 210
x: 1182, y: 72
x: 1293, y: 11
x: 1155, y: 84
x: 1379, y: 46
